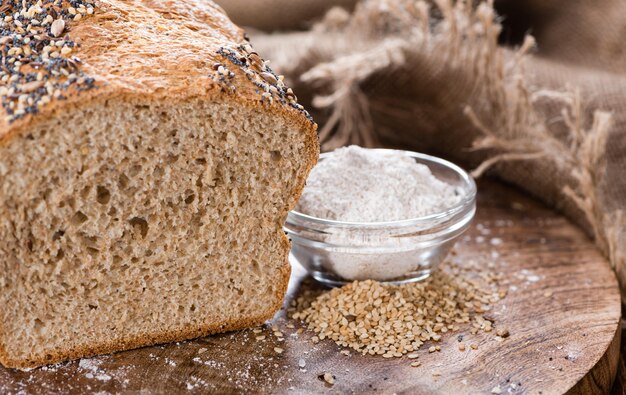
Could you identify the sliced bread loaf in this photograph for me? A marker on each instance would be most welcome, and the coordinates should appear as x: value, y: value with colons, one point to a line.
x: 148, y: 158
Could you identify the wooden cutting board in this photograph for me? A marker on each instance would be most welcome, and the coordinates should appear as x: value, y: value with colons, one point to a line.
x: 562, y: 311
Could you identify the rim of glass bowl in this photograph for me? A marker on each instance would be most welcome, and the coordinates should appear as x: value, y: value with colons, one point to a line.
x: 464, y: 204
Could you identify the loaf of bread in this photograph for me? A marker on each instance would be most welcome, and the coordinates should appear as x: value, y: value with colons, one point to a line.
x: 148, y: 158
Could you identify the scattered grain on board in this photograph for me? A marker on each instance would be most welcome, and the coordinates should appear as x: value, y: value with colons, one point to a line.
x: 394, y: 320
x: 502, y: 332
x: 329, y: 378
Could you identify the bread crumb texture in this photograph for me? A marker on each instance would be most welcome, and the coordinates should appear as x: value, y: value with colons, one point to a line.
x: 149, y: 207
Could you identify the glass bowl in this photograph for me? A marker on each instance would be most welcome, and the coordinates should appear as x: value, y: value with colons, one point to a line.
x: 336, y: 252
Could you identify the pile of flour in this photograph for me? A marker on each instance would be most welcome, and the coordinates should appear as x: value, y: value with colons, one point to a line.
x: 362, y: 185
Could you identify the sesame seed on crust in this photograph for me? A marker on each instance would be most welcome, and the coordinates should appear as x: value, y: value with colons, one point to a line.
x: 37, y: 65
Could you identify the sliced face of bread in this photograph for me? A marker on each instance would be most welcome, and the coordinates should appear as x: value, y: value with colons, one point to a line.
x: 127, y: 223
x: 137, y: 214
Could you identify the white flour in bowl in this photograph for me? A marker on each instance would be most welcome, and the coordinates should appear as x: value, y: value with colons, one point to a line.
x: 361, y: 185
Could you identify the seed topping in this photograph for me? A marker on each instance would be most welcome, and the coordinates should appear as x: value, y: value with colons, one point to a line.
x: 57, y: 27
x: 37, y: 65
x: 271, y: 87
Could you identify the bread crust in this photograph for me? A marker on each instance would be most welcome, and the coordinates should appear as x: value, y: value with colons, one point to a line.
x: 176, y: 61
x: 127, y: 66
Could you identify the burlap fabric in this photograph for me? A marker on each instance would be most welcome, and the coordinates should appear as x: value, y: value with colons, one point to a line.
x: 548, y: 115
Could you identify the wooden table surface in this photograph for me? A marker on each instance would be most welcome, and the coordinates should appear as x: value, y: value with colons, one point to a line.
x: 562, y: 310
